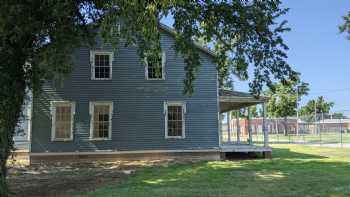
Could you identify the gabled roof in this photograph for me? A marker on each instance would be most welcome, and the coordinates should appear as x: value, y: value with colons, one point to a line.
x: 199, y: 46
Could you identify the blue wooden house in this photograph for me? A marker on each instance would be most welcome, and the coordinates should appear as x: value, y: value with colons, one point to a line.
x: 111, y: 105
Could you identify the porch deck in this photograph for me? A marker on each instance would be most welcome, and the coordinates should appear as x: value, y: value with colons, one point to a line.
x: 244, y: 148
x: 226, y: 151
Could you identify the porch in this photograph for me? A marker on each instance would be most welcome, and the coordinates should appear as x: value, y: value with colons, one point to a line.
x: 236, y: 132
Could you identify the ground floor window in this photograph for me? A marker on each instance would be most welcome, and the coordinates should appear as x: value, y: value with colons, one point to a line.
x: 101, y: 120
x: 175, y: 119
x: 62, y: 120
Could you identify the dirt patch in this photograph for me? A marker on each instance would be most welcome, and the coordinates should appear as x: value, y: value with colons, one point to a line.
x: 68, y: 179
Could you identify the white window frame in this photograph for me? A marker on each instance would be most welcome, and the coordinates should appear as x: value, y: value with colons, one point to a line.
x: 54, y: 105
x: 91, y: 111
x: 163, y: 68
x: 175, y: 103
x: 92, y: 63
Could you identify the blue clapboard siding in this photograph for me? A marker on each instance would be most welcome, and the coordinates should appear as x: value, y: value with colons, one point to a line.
x: 138, y: 116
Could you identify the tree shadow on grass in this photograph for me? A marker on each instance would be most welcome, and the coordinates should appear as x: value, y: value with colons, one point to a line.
x: 286, y: 153
x: 277, y: 153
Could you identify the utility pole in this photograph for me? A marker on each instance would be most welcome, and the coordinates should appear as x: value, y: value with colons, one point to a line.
x: 297, y: 110
x: 315, y: 118
x: 321, y: 128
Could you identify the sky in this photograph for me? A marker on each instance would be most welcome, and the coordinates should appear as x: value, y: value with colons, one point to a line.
x: 317, y: 49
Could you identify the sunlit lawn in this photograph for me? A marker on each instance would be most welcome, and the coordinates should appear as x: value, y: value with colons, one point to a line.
x: 295, y: 170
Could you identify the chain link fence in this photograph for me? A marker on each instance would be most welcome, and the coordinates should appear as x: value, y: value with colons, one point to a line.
x: 319, y: 129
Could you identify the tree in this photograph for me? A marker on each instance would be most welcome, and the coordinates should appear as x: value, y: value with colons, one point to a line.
x: 284, y: 98
x: 243, y: 112
x: 37, y: 38
x: 337, y: 115
x: 315, y: 106
x: 253, y: 111
x: 36, y: 41
x: 345, y: 28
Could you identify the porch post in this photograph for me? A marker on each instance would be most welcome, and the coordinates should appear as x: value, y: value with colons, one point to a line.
x: 238, y: 127
x: 249, y: 128
x: 229, y: 126
x: 220, y: 128
x: 264, y: 127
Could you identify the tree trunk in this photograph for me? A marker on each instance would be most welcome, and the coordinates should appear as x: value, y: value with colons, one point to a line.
x: 276, y: 127
x: 11, y: 101
x: 5, y: 145
x: 285, y: 123
x: 3, y: 171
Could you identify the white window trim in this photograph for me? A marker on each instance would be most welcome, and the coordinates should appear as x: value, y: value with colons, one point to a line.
x: 163, y: 68
x: 54, y: 104
x: 175, y: 103
x: 91, y: 111
x: 92, y: 63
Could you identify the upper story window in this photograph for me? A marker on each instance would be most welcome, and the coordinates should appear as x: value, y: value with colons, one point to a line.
x: 101, y: 65
x: 174, y: 119
x: 155, y: 67
x: 101, y: 120
x: 62, y: 120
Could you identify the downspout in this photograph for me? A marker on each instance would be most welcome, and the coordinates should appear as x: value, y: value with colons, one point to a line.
x: 218, y: 108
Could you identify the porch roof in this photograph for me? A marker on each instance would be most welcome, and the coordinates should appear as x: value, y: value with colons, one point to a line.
x: 233, y: 100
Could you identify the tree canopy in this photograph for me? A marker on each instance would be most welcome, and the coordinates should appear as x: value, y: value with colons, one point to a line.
x: 319, y: 104
x: 345, y: 28
x: 253, y: 110
x: 243, y: 112
x: 241, y: 33
x: 37, y: 38
x: 337, y: 115
x: 284, y: 97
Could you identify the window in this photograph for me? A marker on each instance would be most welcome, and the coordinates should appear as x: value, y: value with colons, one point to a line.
x: 101, y: 65
x: 62, y: 120
x: 175, y: 119
x: 154, y: 71
x: 101, y: 120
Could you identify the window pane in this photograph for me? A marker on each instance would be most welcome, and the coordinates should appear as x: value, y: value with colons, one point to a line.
x: 101, y: 121
x: 175, y: 121
x: 63, y: 122
x: 102, y: 66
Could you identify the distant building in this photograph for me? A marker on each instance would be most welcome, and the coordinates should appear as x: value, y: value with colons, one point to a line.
x: 277, y: 126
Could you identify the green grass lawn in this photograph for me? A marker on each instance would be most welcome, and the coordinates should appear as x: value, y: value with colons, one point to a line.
x: 295, y: 170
